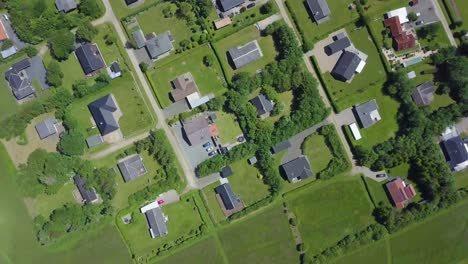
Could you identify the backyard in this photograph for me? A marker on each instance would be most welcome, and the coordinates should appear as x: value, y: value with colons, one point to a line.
x: 240, y: 38
x: 212, y: 203
x: 315, y: 148
x: 228, y: 127
x: 208, y: 79
x: 438, y: 40
x: 328, y: 211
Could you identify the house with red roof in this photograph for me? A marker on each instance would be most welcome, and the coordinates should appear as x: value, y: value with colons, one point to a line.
x: 401, y: 39
x: 401, y: 192
x: 3, y: 33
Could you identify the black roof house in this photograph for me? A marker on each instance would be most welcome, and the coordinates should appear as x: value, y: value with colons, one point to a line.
x: 262, y: 104
x: 230, y: 200
x: 226, y: 172
x: 423, y: 94
x: 129, y: 2
x: 156, y: 222
x: 281, y: 146
x: 297, y: 169
x: 455, y: 152
x: 346, y: 66
x: 338, y: 45
x: 90, y: 58
x: 319, y: 10
x: 132, y: 167
x: 19, y: 82
x: 88, y: 194
x: 102, y: 111
x: 226, y: 5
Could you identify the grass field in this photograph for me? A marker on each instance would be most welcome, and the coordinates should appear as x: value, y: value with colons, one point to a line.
x: 136, y: 117
x: 121, y: 9
x: 240, y: 38
x: 264, y: 238
x: 380, y: 7
x: 461, y: 179
x: 71, y: 69
x: 183, y: 217
x: 246, y: 184
x: 340, y: 16
x: 206, y: 251
x: 375, y: 253
x: 315, y: 148
x: 212, y: 202
x: 377, y: 190
x: 102, y: 245
x: 328, y: 212
x: 440, y: 40
x: 208, y: 79
x: 44, y: 204
x: 228, y: 127
x: 462, y: 6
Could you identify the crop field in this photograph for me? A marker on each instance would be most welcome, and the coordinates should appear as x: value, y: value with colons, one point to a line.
x: 206, y: 251
x: 328, y: 212
x: 253, y: 240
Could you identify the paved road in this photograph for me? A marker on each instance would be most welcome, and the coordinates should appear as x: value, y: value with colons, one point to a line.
x: 117, y: 146
x: 445, y: 24
x: 189, y: 174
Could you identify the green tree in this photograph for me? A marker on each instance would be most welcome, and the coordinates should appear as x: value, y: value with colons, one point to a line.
x: 110, y: 39
x: 412, y: 16
x: 90, y: 8
x: 86, y: 31
x: 266, y: 8
x: 31, y: 51
x: 54, y: 74
x: 72, y: 143
x: 62, y: 44
x: 169, y: 10
x: 7, y: 44
x: 208, y: 60
x: 143, y: 67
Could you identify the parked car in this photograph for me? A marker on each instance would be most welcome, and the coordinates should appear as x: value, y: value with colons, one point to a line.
x: 207, y: 144
x: 251, y: 5
x: 212, y: 153
x: 160, y: 202
x: 420, y: 22
x: 381, y: 175
x: 6, y: 17
x: 209, y: 149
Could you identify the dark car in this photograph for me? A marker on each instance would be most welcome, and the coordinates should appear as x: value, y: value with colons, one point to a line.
x: 207, y: 144
x: 381, y: 175
x: 212, y: 153
x: 420, y: 22
x: 251, y: 5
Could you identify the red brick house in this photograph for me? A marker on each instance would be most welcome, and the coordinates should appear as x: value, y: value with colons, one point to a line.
x: 401, y: 192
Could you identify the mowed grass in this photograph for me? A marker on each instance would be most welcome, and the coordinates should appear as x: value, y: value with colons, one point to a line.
x: 461, y: 179
x: 315, y: 148
x: 382, y: 6
x: 462, y: 7
x: 365, y: 86
x: 183, y: 218
x: 206, y: 251
x: 101, y: 245
x: 377, y: 190
x: 375, y: 253
x: 440, y: 40
x: 44, y: 204
x: 240, y: 38
x: 122, y: 10
x: 328, y: 212
x: 228, y: 127
x: 135, y: 118
x: 212, y: 203
x: 71, y: 69
x: 208, y: 79
x: 263, y: 238
x: 340, y: 16
x: 246, y: 183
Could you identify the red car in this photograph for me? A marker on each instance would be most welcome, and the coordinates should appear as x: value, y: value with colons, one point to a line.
x: 160, y: 202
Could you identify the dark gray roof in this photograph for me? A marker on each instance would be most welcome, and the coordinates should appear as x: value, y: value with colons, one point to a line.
x: 139, y: 38
x: 338, y: 45
x: 21, y: 65
x: 65, y: 5
x: 197, y: 130
x: 455, y: 151
x: 281, y: 146
x: 129, y: 2
x: 94, y: 140
x: 319, y: 9
x: 102, y: 111
x: 158, y: 45
x: 346, y: 66
x: 423, y: 94
x: 246, y: 54
x: 46, y: 128
x: 115, y: 67
x: 230, y: 200
x: 262, y: 104
x: 226, y: 5
x: 89, y: 57
x: 297, y: 169
x: 226, y: 172
x: 156, y: 222
x: 88, y: 194
x: 132, y: 167
x: 18, y: 80
x: 364, y: 113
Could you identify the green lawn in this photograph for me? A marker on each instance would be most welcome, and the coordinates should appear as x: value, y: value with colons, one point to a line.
x: 263, y: 238
x: 71, y: 69
x: 441, y: 100
x: 377, y: 190
x: 136, y: 117
x: 206, y: 251
x: 340, y: 16
x: 44, y: 204
x: 401, y: 170
x: 212, y: 203
x: 381, y: 7
x: 122, y: 10
x: 287, y: 99
x: 328, y: 212
x: 240, y: 38
x: 208, y: 79
x: 315, y: 148
x: 375, y: 253
x: 461, y: 179
x: 246, y: 183
x: 228, y: 127
x: 183, y: 217
x: 462, y: 6
x: 439, y: 41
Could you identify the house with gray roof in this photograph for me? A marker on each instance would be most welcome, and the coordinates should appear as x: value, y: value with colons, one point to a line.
x: 226, y: 5
x: 129, y: 2
x: 65, y: 6
x: 319, y: 10
x: 455, y: 149
x: 196, y: 130
x: 106, y: 114
x: 184, y: 85
x: 132, y: 167
x: 19, y: 81
x: 159, y: 45
x: 88, y: 195
x: 367, y: 113
x: 156, y: 222
x: 297, y: 169
x: 423, y: 94
x: 226, y: 172
x: 95, y: 140
x: 263, y: 105
x: 90, y: 58
x: 338, y: 45
x: 230, y: 200
x: 243, y: 55
x: 46, y: 128
x: 139, y: 38
x: 283, y: 145
x: 346, y: 66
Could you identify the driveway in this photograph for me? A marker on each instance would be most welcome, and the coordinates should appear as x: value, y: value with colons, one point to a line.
x: 37, y: 72
x: 263, y: 24
x: 12, y: 34
x: 168, y: 197
x: 175, y: 109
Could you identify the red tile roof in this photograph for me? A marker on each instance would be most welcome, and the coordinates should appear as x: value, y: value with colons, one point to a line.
x: 3, y: 34
x: 394, y: 24
x: 401, y: 40
x: 400, y: 192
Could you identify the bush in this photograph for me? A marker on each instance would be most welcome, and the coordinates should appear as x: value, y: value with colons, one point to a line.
x: 292, y: 221
x: 208, y: 60
x: 86, y: 31
x: 54, y: 74
x: 31, y: 51
x: 143, y: 67
x: 412, y: 16
x: 340, y: 162
x: 72, y: 144
x: 90, y: 8
x: 62, y: 44
x: 266, y: 8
